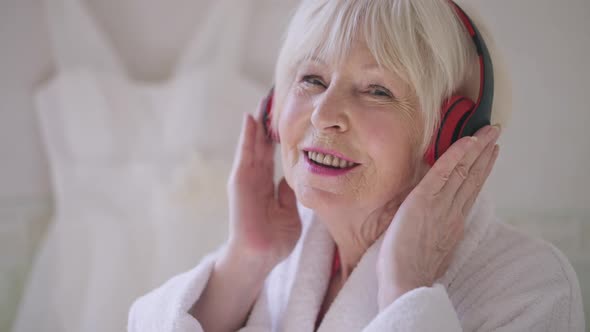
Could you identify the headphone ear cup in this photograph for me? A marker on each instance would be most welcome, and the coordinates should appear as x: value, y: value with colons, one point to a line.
x: 455, y: 111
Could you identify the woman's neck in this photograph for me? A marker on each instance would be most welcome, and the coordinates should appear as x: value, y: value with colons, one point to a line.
x: 353, y: 238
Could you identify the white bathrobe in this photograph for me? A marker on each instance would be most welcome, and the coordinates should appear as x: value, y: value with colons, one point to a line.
x: 499, y: 280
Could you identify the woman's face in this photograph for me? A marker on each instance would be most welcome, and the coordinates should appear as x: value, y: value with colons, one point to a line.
x: 358, y: 112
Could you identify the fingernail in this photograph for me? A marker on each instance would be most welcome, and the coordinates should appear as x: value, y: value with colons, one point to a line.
x: 499, y: 127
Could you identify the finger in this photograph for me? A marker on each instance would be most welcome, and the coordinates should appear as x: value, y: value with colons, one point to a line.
x: 245, y: 148
x: 476, y: 175
x: 436, y: 178
x: 470, y: 198
x: 486, y: 137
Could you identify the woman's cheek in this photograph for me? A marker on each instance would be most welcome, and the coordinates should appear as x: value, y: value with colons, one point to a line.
x: 293, y: 119
x: 389, y: 147
x: 288, y: 167
x: 291, y: 135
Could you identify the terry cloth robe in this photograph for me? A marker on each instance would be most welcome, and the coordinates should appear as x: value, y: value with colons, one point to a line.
x: 499, y: 280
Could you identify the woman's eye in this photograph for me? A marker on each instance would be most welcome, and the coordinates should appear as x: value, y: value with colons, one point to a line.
x: 380, y: 91
x: 313, y: 80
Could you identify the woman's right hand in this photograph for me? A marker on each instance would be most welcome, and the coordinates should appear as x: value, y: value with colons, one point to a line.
x: 263, y: 231
x: 264, y: 225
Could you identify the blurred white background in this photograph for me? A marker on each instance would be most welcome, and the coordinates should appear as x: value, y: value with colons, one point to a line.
x: 540, y: 182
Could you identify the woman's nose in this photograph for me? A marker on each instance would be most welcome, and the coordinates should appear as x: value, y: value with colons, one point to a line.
x: 331, y: 113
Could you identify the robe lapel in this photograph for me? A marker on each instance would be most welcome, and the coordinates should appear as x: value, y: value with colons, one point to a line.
x: 311, y: 279
x: 356, y: 305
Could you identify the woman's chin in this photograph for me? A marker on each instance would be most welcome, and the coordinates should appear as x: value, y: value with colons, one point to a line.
x: 318, y: 199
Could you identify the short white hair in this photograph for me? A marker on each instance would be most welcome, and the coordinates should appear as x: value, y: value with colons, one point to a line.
x: 423, y: 42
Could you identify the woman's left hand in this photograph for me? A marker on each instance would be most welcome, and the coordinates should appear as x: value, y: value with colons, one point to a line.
x: 420, y: 241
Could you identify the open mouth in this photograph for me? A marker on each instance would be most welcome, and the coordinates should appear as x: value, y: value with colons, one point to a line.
x: 328, y: 161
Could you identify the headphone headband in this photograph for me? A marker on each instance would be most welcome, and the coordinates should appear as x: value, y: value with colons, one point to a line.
x: 483, y: 106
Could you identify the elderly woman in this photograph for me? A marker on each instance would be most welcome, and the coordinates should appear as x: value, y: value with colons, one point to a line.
x: 366, y: 232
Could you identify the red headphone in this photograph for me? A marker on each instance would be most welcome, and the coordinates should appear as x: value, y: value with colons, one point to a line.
x: 460, y: 116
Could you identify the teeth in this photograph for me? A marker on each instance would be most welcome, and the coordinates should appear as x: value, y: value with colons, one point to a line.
x: 343, y: 163
x: 329, y: 160
x: 336, y: 162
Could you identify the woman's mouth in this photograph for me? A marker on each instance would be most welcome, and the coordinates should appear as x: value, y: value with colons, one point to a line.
x: 327, y: 164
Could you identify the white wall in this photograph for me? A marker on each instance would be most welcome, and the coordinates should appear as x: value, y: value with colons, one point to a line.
x: 545, y: 156
x: 542, y: 172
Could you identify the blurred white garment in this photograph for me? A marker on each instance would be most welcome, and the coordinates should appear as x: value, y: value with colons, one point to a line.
x: 132, y: 163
